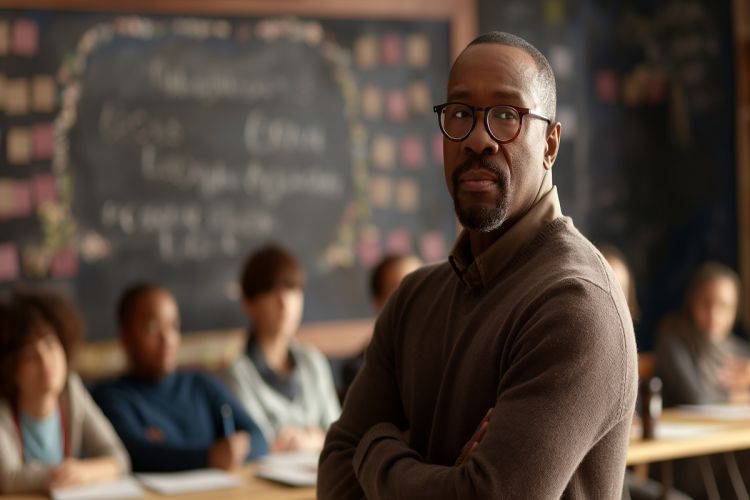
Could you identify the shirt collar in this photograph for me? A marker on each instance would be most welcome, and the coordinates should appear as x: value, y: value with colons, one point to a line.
x: 477, y: 272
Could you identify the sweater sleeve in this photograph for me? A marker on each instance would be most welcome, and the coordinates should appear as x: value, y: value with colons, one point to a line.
x: 570, y: 381
x: 220, y: 395
x: 98, y: 438
x: 146, y: 456
x: 373, y: 398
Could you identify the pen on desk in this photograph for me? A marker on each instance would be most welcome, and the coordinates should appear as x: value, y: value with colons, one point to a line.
x: 227, y: 418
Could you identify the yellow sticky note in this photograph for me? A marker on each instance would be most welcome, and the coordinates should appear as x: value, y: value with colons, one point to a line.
x: 366, y: 52
x: 407, y: 196
x: 383, y: 152
x: 43, y: 94
x: 16, y: 96
x: 20, y: 145
x: 420, y: 99
x: 4, y: 38
x: 372, y: 102
x: 418, y: 51
x: 381, y: 191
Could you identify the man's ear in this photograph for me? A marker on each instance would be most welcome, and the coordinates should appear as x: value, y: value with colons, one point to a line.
x: 552, y: 145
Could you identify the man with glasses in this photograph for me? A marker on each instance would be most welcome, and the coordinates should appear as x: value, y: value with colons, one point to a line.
x: 510, y: 370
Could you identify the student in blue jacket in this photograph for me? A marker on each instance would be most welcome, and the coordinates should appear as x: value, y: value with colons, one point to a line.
x: 171, y: 420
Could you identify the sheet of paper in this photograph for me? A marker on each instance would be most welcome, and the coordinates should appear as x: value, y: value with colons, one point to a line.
x: 174, y: 483
x: 126, y: 487
x: 717, y: 412
x: 673, y: 430
x: 294, y: 469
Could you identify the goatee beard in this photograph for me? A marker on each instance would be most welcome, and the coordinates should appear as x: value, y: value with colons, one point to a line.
x: 481, y: 218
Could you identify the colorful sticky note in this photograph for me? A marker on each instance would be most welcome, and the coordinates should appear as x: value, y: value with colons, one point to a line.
x: 561, y: 60
x: 4, y: 38
x: 433, y: 246
x: 372, y: 102
x: 568, y: 118
x: 65, y: 264
x: 6, y: 198
x: 25, y: 37
x: 21, y: 203
x: 44, y: 189
x: 418, y: 51
x: 412, y: 152
x: 383, y: 152
x: 607, y: 87
x: 420, y: 100
x: 43, y: 94
x: 366, y: 52
x: 554, y: 11
x: 657, y: 87
x: 369, y: 250
x: 19, y: 145
x: 381, y: 191
x: 391, y: 49
x: 16, y: 96
x: 43, y: 141
x: 407, y: 196
x: 437, y: 147
x: 9, y: 267
x: 398, y: 241
x: 398, y: 106
x: 635, y: 86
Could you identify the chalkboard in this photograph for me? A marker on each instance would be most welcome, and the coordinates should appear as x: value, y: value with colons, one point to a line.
x: 166, y: 147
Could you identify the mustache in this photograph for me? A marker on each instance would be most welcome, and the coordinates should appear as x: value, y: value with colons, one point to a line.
x: 479, y: 162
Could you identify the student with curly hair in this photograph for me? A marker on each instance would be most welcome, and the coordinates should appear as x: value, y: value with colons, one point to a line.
x: 52, y: 434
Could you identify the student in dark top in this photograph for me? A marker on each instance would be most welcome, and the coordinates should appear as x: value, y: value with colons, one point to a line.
x: 698, y: 358
x: 171, y: 420
x: 385, y: 278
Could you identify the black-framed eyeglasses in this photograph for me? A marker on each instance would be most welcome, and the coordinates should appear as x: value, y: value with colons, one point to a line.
x: 503, y: 122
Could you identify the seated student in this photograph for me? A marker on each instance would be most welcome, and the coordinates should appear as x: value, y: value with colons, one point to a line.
x: 385, y: 278
x: 286, y: 387
x: 634, y: 488
x: 51, y: 432
x: 697, y: 357
x: 171, y: 420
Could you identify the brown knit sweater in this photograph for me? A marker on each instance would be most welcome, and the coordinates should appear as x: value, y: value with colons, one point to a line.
x: 544, y: 337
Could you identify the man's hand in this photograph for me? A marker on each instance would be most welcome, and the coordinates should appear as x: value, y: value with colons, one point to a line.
x: 469, y: 447
x: 229, y: 452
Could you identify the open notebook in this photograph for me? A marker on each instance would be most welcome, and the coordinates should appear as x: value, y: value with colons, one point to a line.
x: 126, y: 487
x: 299, y: 468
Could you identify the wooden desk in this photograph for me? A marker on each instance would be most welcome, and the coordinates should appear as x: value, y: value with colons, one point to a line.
x: 730, y: 435
x: 253, y: 488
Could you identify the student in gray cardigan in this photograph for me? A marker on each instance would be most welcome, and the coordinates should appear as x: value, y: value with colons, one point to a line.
x: 286, y: 388
x: 51, y: 432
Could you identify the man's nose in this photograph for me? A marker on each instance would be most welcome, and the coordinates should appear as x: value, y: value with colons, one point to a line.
x: 479, y: 140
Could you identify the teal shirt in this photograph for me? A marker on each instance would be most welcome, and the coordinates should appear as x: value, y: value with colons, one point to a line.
x: 42, y: 439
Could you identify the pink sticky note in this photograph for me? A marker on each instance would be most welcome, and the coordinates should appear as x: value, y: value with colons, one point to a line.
x: 65, y: 264
x: 45, y: 189
x: 22, y: 202
x: 412, y: 152
x: 607, y: 86
x: 433, y: 246
x: 398, y: 241
x: 43, y: 141
x: 25, y: 37
x: 392, y: 49
x: 369, y: 251
x: 437, y: 147
x: 398, y: 106
x: 9, y: 268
